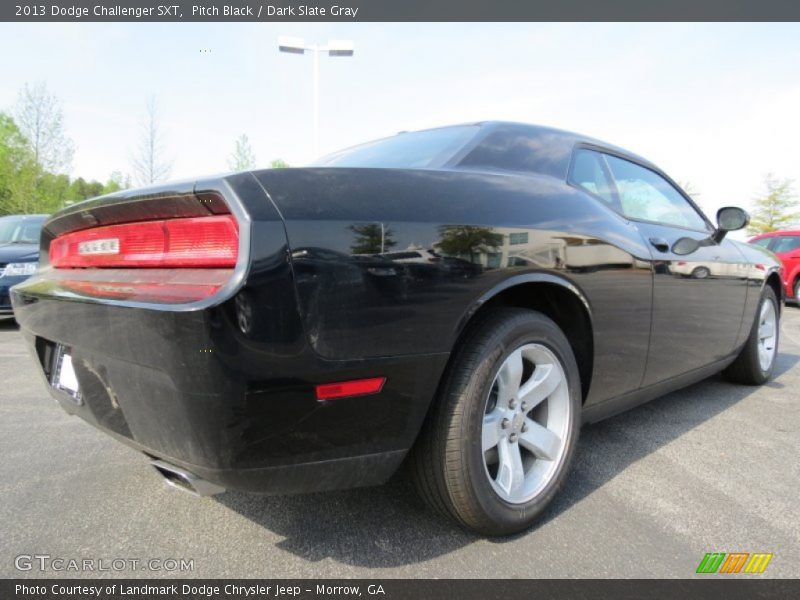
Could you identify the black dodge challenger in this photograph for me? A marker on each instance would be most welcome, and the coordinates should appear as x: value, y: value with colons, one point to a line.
x: 458, y: 299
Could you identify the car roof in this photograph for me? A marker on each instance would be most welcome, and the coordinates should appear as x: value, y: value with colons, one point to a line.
x: 777, y: 233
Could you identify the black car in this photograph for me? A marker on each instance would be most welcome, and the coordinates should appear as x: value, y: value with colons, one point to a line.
x: 252, y: 331
x: 19, y: 253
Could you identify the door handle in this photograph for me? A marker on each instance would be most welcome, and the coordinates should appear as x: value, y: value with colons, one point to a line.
x: 659, y: 244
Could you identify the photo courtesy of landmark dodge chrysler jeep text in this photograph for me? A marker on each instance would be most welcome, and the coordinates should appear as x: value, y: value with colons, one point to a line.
x: 461, y: 299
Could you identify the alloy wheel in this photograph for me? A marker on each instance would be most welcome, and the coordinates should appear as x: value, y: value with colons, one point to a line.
x: 526, y: 423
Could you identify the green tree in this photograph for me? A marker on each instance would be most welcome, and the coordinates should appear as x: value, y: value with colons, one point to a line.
x: 117, y: 182
x: 52, y: 192
x: 80, y: 189
x: 26, y: 187
x: 278, y: 163
x: 17, y: 170
x: 775, y: 209
x: 467, y: 240
x: 372, y: 238
x: 242, y: 158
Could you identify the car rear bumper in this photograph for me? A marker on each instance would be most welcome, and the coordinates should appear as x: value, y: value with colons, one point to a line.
x: 222, y: 386
x: 188, y: 388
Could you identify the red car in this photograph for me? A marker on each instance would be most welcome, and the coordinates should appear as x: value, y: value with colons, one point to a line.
x: 786, y: 245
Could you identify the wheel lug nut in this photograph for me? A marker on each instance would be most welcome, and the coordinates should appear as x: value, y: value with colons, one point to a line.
x: 505, y: 423
x: 512, y: 403
x: 513, y: 437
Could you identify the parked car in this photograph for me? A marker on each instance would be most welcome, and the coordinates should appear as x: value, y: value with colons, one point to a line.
x: 141, y: 316
x: 786, y: 246
x: 19, y: 254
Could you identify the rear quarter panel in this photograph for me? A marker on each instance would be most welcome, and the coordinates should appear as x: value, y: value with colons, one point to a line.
x: 356, y: 302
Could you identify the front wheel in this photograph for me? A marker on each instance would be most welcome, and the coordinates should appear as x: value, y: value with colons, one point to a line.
x: 499, y: 442
x: 756, y: 361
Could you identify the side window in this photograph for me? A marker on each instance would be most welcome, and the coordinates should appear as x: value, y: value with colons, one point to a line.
x: 786, y: 243
x: 589, y: 173
x: 763, y: 242
x: 647, y: 196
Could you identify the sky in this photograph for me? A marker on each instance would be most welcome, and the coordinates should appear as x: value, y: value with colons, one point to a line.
x: 716, y: 105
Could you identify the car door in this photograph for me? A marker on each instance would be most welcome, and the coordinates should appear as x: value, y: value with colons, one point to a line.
x: 699, y: 298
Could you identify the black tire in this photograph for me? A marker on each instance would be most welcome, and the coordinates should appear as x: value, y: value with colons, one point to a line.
x: 746, y: 369
x: 447, y: 462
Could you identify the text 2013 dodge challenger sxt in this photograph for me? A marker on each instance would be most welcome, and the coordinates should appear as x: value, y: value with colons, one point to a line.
x: 460, y: 298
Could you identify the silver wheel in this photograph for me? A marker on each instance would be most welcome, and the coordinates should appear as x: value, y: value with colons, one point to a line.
x: 526, y: 423
x: 767, y: 335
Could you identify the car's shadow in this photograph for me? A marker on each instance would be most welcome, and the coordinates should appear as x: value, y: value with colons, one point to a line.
x: 388, y: 526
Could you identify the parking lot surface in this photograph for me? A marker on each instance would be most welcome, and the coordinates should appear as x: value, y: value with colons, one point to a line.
x: 711, y: 468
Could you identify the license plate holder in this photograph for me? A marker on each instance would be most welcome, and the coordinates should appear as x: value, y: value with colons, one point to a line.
x: 63, y: 377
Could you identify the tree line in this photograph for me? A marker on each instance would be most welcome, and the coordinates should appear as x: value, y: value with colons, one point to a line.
x: 36, y: 156
x: 36, y: 159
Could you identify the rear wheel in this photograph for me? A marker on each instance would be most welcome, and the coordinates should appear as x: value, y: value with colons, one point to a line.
x: 500, y: 439
x: 756, y: 361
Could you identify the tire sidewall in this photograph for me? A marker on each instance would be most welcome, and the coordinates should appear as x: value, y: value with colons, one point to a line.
x: 534, y: 330
x: 767, y: 295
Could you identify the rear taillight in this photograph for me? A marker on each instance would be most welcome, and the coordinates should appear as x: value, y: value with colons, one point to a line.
x: 194, y: 242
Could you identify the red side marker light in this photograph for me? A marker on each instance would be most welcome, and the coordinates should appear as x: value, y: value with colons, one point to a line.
x: 344, y: 389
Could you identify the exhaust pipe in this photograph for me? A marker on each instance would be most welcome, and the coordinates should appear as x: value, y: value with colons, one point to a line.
x: 185, y: 481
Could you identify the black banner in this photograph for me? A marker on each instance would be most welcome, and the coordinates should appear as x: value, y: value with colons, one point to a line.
x: 733, y: 588
x: 400, y: 10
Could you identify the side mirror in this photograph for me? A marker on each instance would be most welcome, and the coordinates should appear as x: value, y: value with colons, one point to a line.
x: 730, y: 218
x: 686, y: 245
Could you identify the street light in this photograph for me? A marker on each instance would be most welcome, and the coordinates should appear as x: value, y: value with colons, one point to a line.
x: 293, y: 45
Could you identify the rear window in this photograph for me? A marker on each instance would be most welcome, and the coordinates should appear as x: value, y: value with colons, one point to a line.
x: 416, y: 150
x: 532, y: 150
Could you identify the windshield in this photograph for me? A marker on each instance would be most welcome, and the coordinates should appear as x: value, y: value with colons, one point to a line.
x: 20, y: 230
x: 416, y: 150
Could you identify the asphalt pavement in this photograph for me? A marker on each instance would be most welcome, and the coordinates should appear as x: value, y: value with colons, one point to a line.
x: 711, y: 468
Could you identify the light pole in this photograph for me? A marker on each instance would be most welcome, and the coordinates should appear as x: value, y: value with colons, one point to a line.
x: 294, y: 45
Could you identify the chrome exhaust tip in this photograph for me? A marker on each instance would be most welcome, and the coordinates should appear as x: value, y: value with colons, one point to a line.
x: 185, y: 481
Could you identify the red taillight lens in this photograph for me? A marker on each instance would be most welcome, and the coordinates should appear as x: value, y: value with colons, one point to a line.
x: 358, y: 387
x: 196, y: 242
